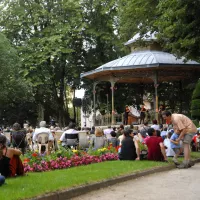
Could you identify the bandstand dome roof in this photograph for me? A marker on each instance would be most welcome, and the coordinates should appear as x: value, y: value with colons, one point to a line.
x: 139, y: 66
x: 147, y: 37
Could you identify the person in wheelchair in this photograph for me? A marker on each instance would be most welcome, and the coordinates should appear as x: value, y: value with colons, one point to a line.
x: 70, y: 137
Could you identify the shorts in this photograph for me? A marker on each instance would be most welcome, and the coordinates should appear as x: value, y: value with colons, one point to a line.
x: 176, y: 150
x: 188, y: 138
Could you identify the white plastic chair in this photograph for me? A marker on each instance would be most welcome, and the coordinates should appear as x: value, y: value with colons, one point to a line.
x: 42, y: 140
x: 83, y: 140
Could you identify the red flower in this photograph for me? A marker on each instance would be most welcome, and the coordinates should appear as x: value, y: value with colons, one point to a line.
x: 26, y: 160
x: 34, y: 155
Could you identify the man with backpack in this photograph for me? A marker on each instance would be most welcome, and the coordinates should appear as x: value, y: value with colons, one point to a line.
x: 18, y: 137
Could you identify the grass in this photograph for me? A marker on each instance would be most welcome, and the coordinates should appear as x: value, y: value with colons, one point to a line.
x: 36, y: 184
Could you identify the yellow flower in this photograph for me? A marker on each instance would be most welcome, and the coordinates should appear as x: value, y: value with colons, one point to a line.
x: 75, y: 151
x: 59, y: 142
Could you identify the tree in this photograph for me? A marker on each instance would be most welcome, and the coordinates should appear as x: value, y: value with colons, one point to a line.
x: 178, y: 26
x: 47, y: 35
x: 137, y: 16
x: 195, y: 104
x: 15, y: 99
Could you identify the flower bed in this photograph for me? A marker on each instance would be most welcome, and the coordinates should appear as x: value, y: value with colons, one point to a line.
x: 62, y: 159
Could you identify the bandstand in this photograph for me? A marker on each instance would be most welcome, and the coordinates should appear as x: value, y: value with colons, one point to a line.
x: 143, y: 65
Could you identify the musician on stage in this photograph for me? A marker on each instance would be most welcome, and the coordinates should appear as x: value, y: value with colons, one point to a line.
x: 126, y: 112
x: 160, y: 118
x: 142, y: 114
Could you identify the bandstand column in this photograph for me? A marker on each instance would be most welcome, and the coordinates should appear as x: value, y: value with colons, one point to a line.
x: 94, y: 102
x: 156, y: 94
x: 113, y: 106
x: 155, y: 80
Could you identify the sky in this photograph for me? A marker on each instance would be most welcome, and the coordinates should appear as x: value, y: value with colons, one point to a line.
x: 79, y: 93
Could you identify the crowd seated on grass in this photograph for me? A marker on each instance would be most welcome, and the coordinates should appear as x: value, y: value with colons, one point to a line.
x: 10, y: 163
x: 130, y: 140
x: 129, y: 147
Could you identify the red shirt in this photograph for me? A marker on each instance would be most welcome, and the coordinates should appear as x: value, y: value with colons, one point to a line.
x: 154, y: 151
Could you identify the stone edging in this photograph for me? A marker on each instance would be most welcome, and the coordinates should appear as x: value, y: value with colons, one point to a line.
x: 80, y: 190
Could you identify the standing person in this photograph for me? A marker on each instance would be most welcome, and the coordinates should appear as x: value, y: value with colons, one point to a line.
x: 186, y: 130
x: 160, y: 117
x: 142, y: 114
x: 126, y: 112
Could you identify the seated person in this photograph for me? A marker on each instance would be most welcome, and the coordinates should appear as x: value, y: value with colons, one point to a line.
x: 167, y: 144
x: 10, y: 163
x: 92, y: 130
x: 70, y: 136
x: 113, y: 140
x: 195, y: 141
x: 163, y: 133
x: 129, y: 147
x: 18, y: 137
x: 107, y: 132
x: 156, y: 149
x: 98, y: 140
x: 155, y: 125
x: 120, y: 130
x: 144, y: 130
x: 43, y: 129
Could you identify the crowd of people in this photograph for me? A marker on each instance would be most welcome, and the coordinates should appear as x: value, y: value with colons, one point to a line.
x: 157, y: 141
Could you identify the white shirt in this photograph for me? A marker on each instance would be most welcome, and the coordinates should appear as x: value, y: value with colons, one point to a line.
x: 169, y: 151
x: 120, y: 138
x: 163, y: 133
x: 42, y: 130
x: 155, y: 127
x: 70, y: 131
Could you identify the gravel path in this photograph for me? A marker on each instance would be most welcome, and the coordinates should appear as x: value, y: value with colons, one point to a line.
x: 171, y: 185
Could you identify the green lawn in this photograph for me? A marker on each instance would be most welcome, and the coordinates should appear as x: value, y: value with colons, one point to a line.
x: 43, y: 182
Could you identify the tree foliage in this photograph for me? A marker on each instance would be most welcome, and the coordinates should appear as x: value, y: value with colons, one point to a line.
x: 176, y: 22
x: 195, y: 104
x: 15, y: 99
x: 58, y: 40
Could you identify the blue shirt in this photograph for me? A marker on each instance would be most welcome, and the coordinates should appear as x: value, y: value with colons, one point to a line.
x: 174, y: 137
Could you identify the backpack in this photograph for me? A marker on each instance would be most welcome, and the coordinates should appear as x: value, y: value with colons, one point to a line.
x: 18, y: 138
